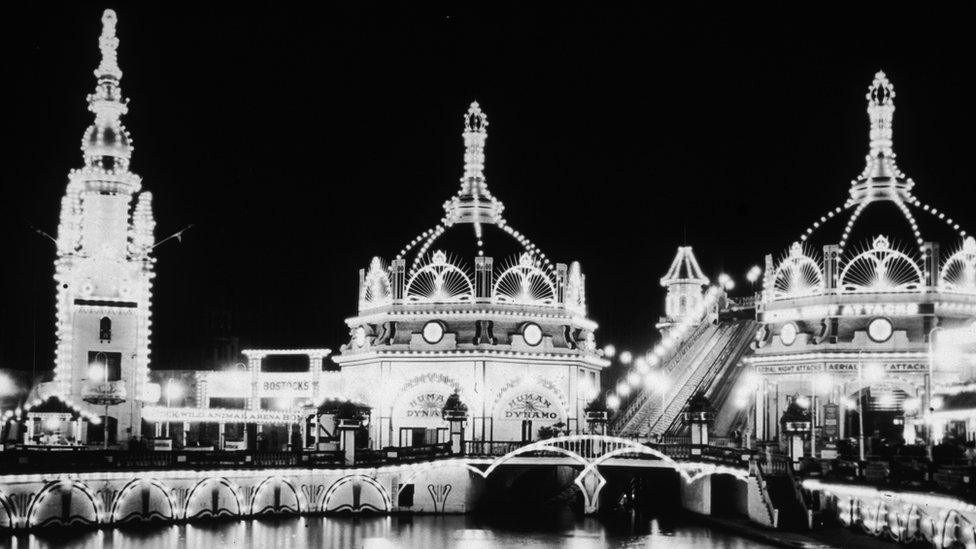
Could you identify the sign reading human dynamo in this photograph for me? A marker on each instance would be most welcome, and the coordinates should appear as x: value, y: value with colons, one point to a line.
x: 530, y: 406
x: 269, y: 384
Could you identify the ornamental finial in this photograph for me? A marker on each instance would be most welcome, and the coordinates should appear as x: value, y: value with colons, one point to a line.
x: 881, y: 111
x: 475, y: 133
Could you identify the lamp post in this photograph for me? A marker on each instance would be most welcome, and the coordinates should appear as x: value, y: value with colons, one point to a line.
x: 860, y: 407
x: 927, y: 409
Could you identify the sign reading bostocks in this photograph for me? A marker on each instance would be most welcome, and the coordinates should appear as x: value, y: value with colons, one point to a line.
x: 270, y: 385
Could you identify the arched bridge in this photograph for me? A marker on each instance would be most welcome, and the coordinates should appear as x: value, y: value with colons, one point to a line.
x: 590, y: 452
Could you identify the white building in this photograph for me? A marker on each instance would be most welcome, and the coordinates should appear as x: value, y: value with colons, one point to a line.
x: 104, y: 267
x: 858, y: 328
x: 686, y: 290
x: 471, y: 305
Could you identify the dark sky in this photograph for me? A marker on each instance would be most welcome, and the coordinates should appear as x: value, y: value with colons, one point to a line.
x: 301, y: 144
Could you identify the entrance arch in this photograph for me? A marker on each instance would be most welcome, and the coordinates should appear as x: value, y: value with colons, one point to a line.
x: 526, y: 404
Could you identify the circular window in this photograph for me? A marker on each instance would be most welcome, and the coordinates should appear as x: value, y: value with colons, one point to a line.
x: 787, y: 334
x: 360, y: 337
x: 532, y: 334
x: 879, y: 330
x: 433, y: 332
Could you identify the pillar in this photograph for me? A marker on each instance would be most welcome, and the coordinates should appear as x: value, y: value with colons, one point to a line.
x: 220, y: 434
x: 930, y: 260
x: 315, y: 368
x: 159, y: 429
x: 483, y: 277
x: 348, y: 441
x: 77, y: 431
x: 760, y: 415
x: 398, y: 279
x: 457, y: 436
x: 29, y: 435
x: 254, y: 369
x: 831, y: 260
x: 186, y: 432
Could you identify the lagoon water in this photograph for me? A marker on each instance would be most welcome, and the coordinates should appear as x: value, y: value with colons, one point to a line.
x: 527, y: 530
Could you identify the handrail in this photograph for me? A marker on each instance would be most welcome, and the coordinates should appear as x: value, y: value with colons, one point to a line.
x: 637, y: 404
x: 773, y: 511
x: 686, y: 388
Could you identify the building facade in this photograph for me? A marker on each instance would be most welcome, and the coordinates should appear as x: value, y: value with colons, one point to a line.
x: 861, y: 330
x: 471, y: 306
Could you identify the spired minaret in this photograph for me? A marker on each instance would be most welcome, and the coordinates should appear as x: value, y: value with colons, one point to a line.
x: 104, y: 267
x: 685, y: 282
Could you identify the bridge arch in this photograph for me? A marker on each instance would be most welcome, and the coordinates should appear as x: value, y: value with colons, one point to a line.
x: 356, y: 493
x: 225, y: 499
x: 284, y: 498
x: 156, y: 502
x: 66, y: 510
x: 8, y: 513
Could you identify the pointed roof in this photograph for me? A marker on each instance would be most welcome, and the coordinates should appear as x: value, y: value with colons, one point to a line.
x: 684, y: 269
x: 881, y: 178
x: 474, y: 203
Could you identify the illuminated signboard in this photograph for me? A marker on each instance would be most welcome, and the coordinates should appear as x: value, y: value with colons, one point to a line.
x: 853, y: 309
x: 269, y: 385
x: 840, y: 367
x: 221, y: 415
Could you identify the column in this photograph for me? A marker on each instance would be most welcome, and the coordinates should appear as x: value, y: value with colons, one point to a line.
x: 760, y: 412
x: 159, y: 429
x: 220, y: 434
x: 315, y: 369
x: 186, y: 432
x: 253, y: 369
x: 77, y: 430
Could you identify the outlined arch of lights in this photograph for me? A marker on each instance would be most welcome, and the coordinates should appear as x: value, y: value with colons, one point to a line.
x: 882, y: 181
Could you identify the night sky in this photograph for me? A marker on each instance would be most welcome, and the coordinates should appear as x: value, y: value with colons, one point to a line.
x: 302, y: 144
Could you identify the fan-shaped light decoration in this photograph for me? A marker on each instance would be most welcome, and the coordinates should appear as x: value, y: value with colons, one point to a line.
x: 376, y: 290
x: 881, y: 268
x: 439, y: 280
x: 524, y: 283
x: 958, y: 273
x: 797, y: 275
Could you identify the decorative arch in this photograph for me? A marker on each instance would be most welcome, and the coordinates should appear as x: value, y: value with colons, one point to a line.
x: 225, y: 499
x: 958, y: 273
x: 439, y: 280
x: 881, y: 268
x: 526, y: 383
x: 8, y: 513
x: 161, y: 507
x: 403, y: 396
x: 524, y: 283
x: 798, y: 275
x: 276, y: 485
x: 66, y: 510
x: 356, y: 494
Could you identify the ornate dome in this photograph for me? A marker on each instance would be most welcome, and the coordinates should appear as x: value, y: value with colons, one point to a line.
x: 435, y: 265
x: 875, y: 262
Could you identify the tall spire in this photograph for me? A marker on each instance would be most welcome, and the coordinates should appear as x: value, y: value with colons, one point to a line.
x: 106, y: 144
x: 881, y: 178
x: 109, y: 44
x: 475, y: 134
x: 881, y: 112
x: 474, y: 202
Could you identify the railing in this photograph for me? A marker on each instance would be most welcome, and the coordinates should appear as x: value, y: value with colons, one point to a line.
x: 636, y: 411
x: 491, y: 448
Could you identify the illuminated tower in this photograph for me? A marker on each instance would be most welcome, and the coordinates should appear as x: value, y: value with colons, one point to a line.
x: 684, y: 282
x: 104, y: 269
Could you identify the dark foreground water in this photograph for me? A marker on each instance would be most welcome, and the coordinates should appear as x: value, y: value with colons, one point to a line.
x: 528, y: 530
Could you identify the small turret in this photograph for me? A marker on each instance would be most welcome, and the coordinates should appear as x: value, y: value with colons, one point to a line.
x: 685, y: 282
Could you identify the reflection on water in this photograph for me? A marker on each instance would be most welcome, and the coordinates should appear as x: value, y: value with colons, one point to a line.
x: 550, y: 529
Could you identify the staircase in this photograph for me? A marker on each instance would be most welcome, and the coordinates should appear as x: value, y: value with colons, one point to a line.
x: 719, y: 377
x: 634, y: 418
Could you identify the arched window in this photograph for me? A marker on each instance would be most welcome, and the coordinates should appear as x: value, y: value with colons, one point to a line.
x: 105, y: 329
